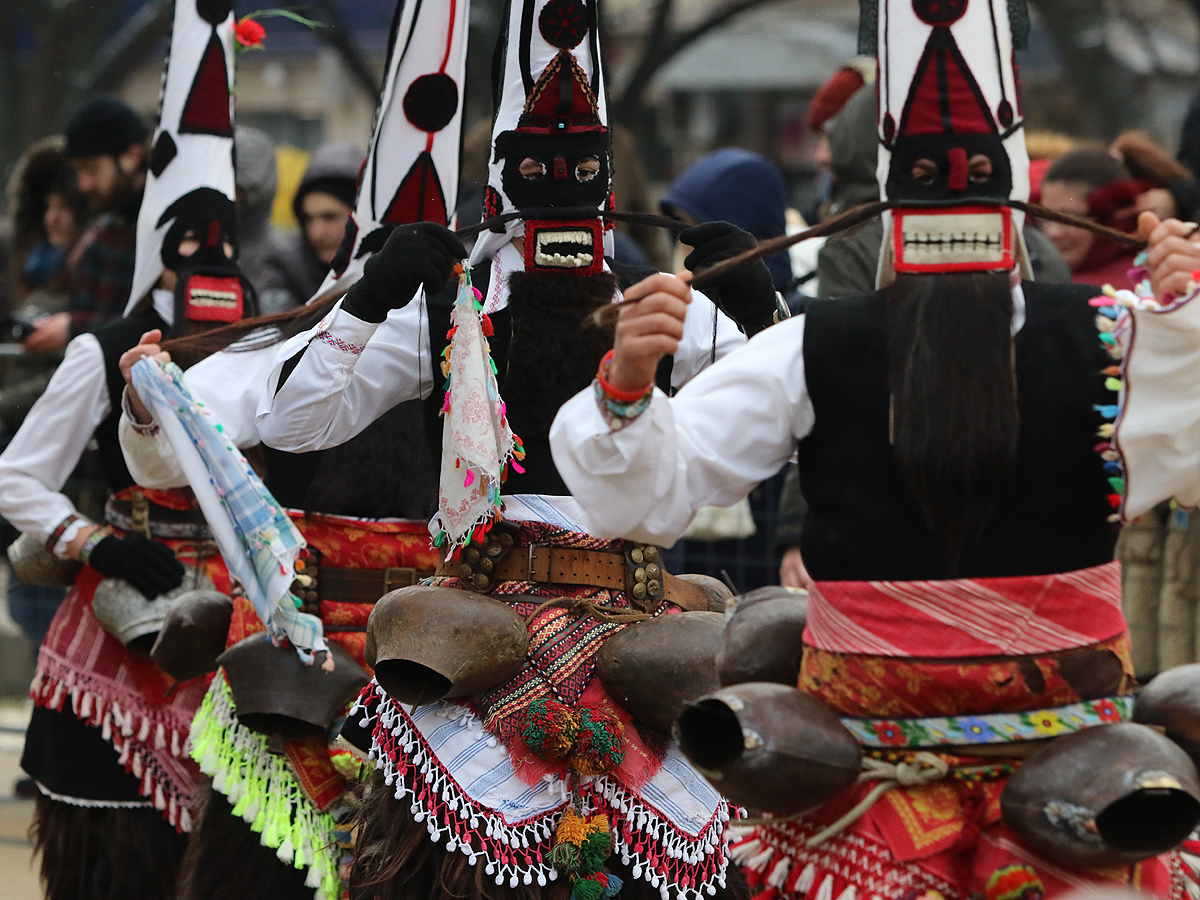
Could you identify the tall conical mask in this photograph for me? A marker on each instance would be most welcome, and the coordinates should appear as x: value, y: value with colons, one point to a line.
x: 190, y: 184
x: 551, y: 146
x: 951, y: 132
x: 411, y: 171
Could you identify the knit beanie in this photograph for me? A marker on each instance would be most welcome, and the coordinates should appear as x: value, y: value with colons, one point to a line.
x: 103, y: 127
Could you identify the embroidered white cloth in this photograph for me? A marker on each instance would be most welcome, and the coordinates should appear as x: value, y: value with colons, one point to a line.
x: 459, y: 781
x: 1158, y: 429
x: 477, y: 442
x: 258, y: 541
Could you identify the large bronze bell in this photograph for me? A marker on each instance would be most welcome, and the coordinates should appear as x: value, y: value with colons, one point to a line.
x: 1108, y: 796
x: 193, y: 635
x: 718, y: 592
x: 125, y: 612
x: 34, y: 564
x: 655, y: 668
x: 764, y: 637
x: 769, y: 747
x: 434, y: 643
x: 276, y: 694
x: 1172, y: 702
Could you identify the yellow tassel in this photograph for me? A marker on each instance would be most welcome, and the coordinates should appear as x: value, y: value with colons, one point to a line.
x: 571, y: 829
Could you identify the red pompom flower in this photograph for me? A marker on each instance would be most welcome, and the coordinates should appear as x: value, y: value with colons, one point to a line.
x: 249, y: 33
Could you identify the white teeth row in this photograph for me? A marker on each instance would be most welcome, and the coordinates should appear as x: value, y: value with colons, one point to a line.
x: 215, y: 298
x: 583, y: 238
x: 559, y: 260
x: 955, y: 240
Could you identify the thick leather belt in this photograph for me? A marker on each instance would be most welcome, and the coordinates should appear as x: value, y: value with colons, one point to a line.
x: 543, y: 564
x: 345, y: 585
x: 141, y: 516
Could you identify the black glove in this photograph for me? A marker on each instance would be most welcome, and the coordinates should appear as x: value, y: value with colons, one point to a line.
x: 747, y: 294
x: 414, y: 256
x: 149, y: 566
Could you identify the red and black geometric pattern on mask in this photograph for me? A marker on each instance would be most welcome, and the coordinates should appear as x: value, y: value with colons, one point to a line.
x: 562, y: 100
x: 431, y: 102
x: 945, y: 97
x: 493, y: 205
x: 564, y: 23
x: 939, y: 12
x: 163, y: 153
x: 214, y: 12
x: 207, y: 107
x: 420, y: 197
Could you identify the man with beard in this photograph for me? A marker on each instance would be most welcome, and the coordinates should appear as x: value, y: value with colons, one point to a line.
x: 954, y: 448
x: 513, y: 816
x: 106, y: 146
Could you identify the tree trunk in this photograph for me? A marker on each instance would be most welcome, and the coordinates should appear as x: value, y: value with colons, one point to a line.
x: 1107, y: 95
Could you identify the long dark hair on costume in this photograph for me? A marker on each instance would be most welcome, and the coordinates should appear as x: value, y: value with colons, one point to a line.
x: 394, y: 859
x: 189, y: 350
x: 403, y: 480
x: 91, y: 853
x: 225, y: 858
x: 954, y: 419
x: 552, y: 356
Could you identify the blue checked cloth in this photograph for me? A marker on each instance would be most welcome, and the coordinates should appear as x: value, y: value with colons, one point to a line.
x: 257, y: 539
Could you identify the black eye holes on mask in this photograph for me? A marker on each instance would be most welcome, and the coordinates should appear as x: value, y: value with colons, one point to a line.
x: 954, y: 168
x: 553, y: 170
x: 535, y: 170
x: 979, y: 170
x: 191, y: 242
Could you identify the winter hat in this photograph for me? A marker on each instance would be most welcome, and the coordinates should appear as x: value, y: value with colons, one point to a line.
x: 103, y: 127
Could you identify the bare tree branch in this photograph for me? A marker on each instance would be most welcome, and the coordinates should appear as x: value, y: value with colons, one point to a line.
x: 340, y: 37
x: 661, y: 47
x: 1106, y: 91
x: 132, y: 42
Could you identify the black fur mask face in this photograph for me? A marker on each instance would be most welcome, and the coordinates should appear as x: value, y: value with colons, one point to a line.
x: 560, y: 170
x: 554, y: 354
x: 209, y: 215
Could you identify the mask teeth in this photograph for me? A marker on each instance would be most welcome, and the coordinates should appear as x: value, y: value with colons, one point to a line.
x: 562, y: 261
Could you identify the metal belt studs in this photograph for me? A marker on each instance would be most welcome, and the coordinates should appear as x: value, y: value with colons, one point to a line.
x: 140, y: 513
x: 644, y: 574
x: 478, y: 562
x: 304, y: 586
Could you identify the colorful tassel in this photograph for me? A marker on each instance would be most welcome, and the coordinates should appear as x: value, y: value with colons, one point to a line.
x: 1015, y: 882
x: 600, y: 743
x: 550, y: 729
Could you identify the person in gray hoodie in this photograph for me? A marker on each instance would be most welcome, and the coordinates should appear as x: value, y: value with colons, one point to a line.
x: 298, y: 262
x: 257, y: 179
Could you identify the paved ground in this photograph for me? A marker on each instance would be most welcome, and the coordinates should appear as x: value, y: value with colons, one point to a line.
x: 18, y: 878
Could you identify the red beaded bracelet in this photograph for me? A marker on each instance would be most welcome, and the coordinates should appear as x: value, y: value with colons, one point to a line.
x: 612, y: 392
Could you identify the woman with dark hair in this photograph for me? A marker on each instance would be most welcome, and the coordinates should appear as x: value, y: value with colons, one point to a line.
x: 1090, y: 181
x: 48, y: 215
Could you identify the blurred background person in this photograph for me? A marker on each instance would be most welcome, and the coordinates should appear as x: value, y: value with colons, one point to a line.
x: 107, y: 147
x: 48, y: 214
x: 257, y: 180
x: 1090, y: 181
x: 747, y: 190
x: 297, y: 263
x: 742, y: 188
